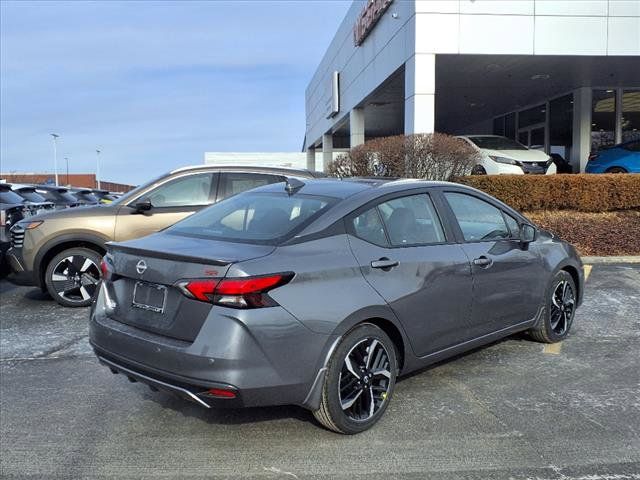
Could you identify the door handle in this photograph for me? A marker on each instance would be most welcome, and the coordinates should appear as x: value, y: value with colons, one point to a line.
x: 484, y: 262
x: 384, y: 263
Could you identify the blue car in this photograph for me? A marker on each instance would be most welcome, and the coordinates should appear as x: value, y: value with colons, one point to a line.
x: 622, y: 158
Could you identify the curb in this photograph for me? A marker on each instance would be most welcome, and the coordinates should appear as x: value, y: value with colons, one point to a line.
x: 611, y: 259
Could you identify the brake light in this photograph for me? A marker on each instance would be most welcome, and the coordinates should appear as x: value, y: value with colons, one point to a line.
x: 220, y: 393
x: 105, y: 268
x: 592, y: 157
x: 246, y: 292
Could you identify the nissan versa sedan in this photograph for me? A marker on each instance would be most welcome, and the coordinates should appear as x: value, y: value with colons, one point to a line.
x: 320, y: 293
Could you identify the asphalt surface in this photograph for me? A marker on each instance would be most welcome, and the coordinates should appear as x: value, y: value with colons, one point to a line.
x: 512, y: 410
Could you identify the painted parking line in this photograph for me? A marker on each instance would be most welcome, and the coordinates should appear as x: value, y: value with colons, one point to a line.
x: 587, y: 271
x: 552, y: 348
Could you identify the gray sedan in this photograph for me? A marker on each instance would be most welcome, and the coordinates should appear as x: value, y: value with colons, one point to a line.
x: 320, y: 293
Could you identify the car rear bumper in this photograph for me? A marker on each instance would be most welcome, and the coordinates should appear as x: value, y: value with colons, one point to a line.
x: 266, y: 357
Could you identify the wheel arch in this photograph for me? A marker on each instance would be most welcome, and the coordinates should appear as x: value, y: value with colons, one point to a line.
x: 64, y: 242
x: 575, y: 275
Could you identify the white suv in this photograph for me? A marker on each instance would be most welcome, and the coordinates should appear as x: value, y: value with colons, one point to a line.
x: 501, y: 155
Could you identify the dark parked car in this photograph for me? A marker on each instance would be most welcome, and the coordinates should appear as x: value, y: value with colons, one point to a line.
x: 36, y: 202
x: 59, y: 196
x: 13, y: 208
x: 320, y: 293
x: 85, y: 196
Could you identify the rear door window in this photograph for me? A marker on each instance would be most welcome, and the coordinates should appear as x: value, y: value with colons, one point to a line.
x: 232, y: 183
x: 410, y: 220
x: 185, y: 191
x: 478, y: 220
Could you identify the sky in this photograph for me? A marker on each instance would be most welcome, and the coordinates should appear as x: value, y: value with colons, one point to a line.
x: 154, y: 85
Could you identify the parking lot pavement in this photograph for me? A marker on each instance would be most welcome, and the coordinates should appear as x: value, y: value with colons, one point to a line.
x: 515, y: 409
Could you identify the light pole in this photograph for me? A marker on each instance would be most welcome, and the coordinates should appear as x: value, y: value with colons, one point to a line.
x: 66, y: 159
x: 98, y: 167
x: 55, y: 155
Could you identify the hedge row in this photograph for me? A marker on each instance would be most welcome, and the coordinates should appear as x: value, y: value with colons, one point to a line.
x: 583, y: 192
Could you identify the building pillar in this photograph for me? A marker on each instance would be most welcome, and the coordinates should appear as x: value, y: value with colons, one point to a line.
x: 581, y: 147
x: 327, y: 150
x: 420, y: 94
x: 311, y: 158
x: 356, y: 127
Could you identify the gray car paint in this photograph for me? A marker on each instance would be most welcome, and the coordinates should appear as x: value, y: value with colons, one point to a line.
x: 278, y: 355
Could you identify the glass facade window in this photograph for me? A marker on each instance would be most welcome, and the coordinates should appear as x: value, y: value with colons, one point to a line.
x: 532, y: 116
x: 510, y: 126
x: 603, y: 119
x: 561, y: 126
x: 630, y: 115
x: 498, y: 126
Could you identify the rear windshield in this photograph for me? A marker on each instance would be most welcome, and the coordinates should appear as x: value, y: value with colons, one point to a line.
x: 497, y: 143
x: 7, y: 196
x: 31, y: 195
x: 263, y: 218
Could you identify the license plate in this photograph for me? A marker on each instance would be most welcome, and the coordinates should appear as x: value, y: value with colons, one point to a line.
x: 149, y: 296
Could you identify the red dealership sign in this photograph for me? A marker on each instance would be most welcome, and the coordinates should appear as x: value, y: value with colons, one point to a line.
x: 368, y: 18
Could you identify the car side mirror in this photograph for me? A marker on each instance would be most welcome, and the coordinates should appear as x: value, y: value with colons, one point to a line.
x: 527, y: 233
x: 142, y: 205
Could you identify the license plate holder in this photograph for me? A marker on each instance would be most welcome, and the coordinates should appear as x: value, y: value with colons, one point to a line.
x: 149, y: 296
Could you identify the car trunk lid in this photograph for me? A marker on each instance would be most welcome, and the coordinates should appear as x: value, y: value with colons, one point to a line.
x: 145, y: 273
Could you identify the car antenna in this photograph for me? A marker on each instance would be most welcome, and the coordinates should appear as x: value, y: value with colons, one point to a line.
x: 293, y: 185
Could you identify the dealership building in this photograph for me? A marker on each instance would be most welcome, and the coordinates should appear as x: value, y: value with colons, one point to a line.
x: 560, y: 76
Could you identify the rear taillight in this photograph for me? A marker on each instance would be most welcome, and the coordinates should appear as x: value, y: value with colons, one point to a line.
x: 592, y: 157
x: 245, y: 292
x: 106, y: 268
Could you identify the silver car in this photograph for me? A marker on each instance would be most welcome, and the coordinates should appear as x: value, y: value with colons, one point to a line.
x: 320, y: 293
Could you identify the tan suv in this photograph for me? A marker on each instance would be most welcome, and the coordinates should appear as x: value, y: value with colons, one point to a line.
x: 60, y: 252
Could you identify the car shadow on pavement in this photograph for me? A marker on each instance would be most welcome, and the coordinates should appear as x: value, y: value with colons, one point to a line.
x: 38, y: 295
x: 227, y: 416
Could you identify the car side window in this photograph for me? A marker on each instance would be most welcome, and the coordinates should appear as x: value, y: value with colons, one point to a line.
x: 512, y: 223
x: 368, y: 226
x: 411, y: 220
x: 189, y: 190
x: 478, y: 220
x: 232, y: 183
x: 633, y: 146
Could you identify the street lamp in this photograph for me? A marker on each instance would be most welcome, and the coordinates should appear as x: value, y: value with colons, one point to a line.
x: 55, y: 155
x: 98, y: 167
x: 66, y: 159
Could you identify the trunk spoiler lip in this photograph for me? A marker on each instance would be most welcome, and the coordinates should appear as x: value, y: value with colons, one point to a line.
x: 163, y: 255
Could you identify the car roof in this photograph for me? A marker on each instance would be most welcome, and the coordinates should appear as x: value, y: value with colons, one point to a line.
x: 251, y: 168
x: 346, y: 187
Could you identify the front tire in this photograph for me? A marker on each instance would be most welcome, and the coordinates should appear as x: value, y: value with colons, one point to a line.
x: 72, y: 277
x: 559, y: 310
x: 478, y: 170
x: 359, y: 382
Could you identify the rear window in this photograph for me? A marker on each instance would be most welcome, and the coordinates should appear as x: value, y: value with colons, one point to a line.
x: 262, y: 217
x: 7, y: 196
x: 31, y: 195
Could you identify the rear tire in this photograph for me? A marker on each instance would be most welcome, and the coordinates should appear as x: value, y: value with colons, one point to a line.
x: 559, y: 310
x: 72, y: 277
x: 616, y: 170
x: 359, y: 382
x: 478, y: 170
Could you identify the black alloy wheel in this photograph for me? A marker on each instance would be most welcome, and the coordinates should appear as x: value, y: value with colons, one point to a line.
x: 563, y: 305
x: 560, y: 308
x: 359, y: 382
